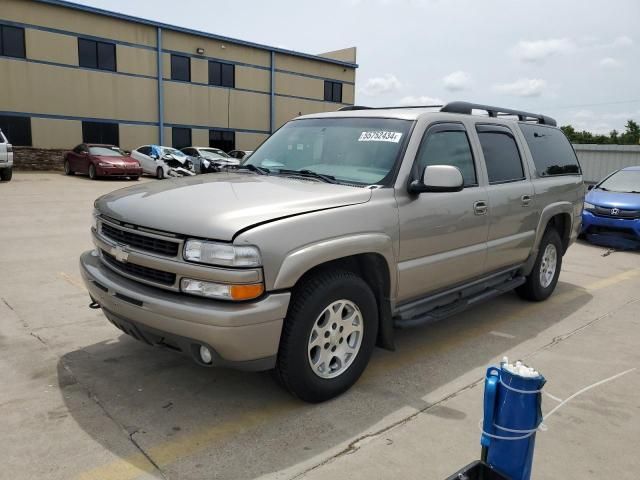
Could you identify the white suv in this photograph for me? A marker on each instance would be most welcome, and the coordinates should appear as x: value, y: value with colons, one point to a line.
x: 6, y: 158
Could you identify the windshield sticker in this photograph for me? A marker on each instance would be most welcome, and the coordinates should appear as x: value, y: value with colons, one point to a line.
x: 380, y: 136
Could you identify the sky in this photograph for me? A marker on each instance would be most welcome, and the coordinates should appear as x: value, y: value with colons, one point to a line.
x: 575, y: 60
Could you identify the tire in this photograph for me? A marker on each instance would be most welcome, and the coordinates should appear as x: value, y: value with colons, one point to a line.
x: 159, y: 173
x: 6, y: 174
x: 92, y: 172
x: 134, y: 179
x: 538, y: 288
x: 67, y: 168
x: 309, y: 309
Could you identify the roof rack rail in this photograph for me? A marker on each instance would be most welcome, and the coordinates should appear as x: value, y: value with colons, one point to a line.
x: 467, y: 108
x: 362, y: 107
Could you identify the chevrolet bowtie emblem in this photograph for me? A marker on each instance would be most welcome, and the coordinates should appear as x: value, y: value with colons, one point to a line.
x: 120, y: 253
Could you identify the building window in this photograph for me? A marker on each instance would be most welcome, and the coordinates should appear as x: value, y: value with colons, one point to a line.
x: 99, y: 132
x: 100, y: 55
x: 180, y: 68
x: 222, y: 74
x: 181, y: 137
x: 222, y: 139
x: 332, y: 91
x: 16, y: 129
x: 12, y: 42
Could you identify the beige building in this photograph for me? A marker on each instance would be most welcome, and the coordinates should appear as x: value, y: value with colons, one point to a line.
x: 71, y: 73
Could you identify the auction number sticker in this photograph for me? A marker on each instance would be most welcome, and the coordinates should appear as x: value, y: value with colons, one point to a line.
x: 380, y: 136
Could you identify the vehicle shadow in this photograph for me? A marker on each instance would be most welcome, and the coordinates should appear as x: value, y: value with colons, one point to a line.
x: 196, y: 422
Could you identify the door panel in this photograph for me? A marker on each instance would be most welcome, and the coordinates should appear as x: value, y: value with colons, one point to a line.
x: 442, y: 235
x: 442, y: 241
x: 512, y: 216
x: 512, y: 224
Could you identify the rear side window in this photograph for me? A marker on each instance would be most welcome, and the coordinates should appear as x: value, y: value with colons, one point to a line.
x: 501, y: 154
x: 552, y: 153
x: 448, y: 145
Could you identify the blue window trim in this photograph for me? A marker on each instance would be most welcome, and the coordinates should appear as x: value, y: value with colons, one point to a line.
x: 78, y: 67
x: 126, y: 122
x: 161, y: 81
x: 164, y: 26
x: 167, y: 51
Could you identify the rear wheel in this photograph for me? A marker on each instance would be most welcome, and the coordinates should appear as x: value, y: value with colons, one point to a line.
x: 542, y: 280
x: 328, y: 335
x: 135, y: 179
x: 92, y: 172
x: 160, y: 173
x: 67, y: 168
x: 6, y: 174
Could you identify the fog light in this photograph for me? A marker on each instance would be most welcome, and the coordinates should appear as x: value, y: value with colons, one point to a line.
x: 205, y: 354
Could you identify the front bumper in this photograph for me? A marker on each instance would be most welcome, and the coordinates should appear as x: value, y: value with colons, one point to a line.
x: 242, y: 335
x: 625, y: 232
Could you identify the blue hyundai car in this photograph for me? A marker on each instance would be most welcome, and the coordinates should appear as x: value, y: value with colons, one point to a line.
x: 611, y: 214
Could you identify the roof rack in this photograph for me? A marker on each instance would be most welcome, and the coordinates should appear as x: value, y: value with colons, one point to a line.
x: 362, y: 107
x: 467, y: 108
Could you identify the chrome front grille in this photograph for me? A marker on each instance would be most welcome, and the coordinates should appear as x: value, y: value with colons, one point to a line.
x: 146, y: 273
x: 140, y: 241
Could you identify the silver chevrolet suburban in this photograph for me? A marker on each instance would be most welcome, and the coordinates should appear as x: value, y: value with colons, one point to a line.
x: 339, y: 228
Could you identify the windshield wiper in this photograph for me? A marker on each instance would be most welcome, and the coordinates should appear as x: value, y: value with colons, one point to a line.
x: 253, y: 168
x: 309, y: 173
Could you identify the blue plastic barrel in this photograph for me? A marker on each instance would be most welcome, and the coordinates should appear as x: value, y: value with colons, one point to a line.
x: 512, y: 413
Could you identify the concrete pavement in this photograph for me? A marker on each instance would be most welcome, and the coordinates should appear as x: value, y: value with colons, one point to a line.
x: 80, y: 400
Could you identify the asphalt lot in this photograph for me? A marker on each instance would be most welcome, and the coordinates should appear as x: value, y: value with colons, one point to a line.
x: 79, y: 400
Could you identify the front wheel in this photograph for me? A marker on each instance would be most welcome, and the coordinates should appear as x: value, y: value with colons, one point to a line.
x: 92, y: 172
x: 6, y: 174
x: 328, y: 335
x: 160, y: 173
x: 542, y: 280
x: 67, y: 168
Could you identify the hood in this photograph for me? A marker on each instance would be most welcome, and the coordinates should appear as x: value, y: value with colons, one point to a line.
x: 114, y: 160
x: 625, y: 201
x: 218, y: 205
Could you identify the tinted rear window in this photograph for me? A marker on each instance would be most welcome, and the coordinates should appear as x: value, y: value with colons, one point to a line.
x: 501, y: 155
x: 552, y: 153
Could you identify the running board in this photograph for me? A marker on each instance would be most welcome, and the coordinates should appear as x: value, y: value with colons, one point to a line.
x: 435, y: 310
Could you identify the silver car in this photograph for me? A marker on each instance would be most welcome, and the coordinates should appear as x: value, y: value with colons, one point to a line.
x: 338, y: 229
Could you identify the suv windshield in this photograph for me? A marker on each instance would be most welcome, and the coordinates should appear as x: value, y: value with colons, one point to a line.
x: 624, y: 181
x: 106, y: 151
x: 351, y: 150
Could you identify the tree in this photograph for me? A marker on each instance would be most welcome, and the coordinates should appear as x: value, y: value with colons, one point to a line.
x: 630, y: 136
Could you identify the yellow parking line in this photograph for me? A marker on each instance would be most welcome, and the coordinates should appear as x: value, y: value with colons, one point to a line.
x: 131, y: 467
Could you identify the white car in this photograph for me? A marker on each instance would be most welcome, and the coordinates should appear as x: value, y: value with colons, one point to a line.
x: 163, y: 161
x: 210, y: 159
x: 6, y: 158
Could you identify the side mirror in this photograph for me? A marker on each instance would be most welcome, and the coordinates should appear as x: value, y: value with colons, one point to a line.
x: 438, y: 178
x: 590, y: 187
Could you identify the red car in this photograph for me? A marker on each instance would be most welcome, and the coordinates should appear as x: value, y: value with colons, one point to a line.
x: 101, y: 161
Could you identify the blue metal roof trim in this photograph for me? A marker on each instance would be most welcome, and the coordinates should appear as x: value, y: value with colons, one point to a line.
x: 165, y: 26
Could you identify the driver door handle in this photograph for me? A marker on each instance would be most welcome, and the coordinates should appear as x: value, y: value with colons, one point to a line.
x: 480, y: 207
x: 526, y: 200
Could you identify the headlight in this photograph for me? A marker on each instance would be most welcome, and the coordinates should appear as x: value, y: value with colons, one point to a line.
x: 588, y: 206
x: 222, y: 254
x: 94, y: 219
x: 221, y: 291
